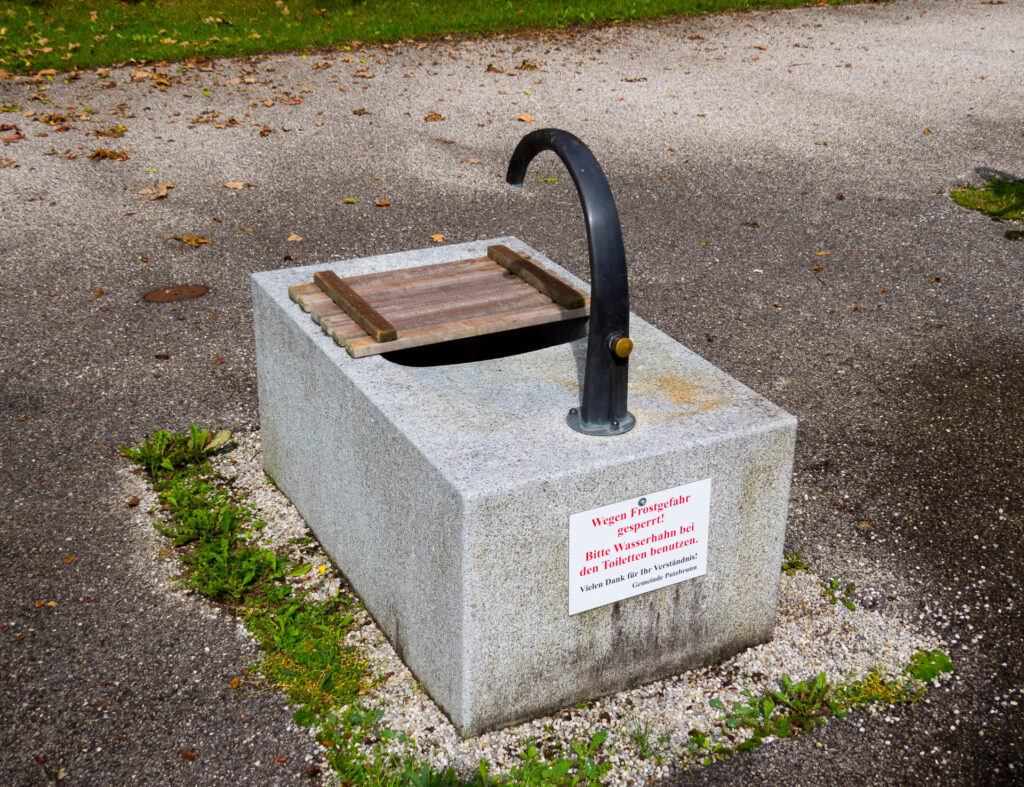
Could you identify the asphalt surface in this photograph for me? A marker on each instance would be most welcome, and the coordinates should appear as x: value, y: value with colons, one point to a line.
x: 780, y: 179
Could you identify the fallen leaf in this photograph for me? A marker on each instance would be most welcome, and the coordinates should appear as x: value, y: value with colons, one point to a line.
x: 935, y: 280
x: 282, y: 758
x: 927, y: 131
x: 234, y: 184
x: 192, y: 240
x: 524, y: 118
x: 821, y: 253
x: 145, y: 191
x: 163, y: 190
x: 294, y: 238
x: 816, y: 267
x: 105, y: 153
x: 218, y: 361
x: 268, y: 102
x: 857, y: 309
x: 361, y: 111
x: 705, y: 242
x: 778, y: 306
x: 51, y: 603
x: 235, y: 683
x: 97, y: 293
x: 133, y: 501
x: 349, y: 201
x: 433, y: 117
x: 437, y: 237
x: 382, y: 203
x: 70, y: 559
x: 188, y: 754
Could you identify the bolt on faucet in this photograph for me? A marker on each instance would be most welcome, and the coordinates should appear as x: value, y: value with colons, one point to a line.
x: 603, y: 407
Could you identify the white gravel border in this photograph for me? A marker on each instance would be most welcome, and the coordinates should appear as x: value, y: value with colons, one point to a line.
x: 811, y: 636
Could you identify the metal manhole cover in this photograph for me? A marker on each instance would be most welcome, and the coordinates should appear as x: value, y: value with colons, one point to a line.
x: 181, y: 292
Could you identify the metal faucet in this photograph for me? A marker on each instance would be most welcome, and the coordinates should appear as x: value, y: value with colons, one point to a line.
x: 606, y: 376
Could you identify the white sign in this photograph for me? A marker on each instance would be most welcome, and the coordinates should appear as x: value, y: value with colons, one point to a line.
x: 639, y: 545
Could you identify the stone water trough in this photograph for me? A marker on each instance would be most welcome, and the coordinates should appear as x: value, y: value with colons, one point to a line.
x: 533, y: 513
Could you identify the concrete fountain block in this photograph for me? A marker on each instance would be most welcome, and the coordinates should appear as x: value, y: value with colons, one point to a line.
x: 444, y: 494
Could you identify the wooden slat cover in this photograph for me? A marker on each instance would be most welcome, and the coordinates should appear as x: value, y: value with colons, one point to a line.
x: 437, y: 303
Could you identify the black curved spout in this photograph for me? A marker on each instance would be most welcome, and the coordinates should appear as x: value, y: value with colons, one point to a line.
x: 603, y: 408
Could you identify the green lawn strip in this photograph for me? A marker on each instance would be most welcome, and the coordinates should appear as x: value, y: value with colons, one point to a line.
x: 215, y: 536
x: 70, y: 34
x: 999, y: 198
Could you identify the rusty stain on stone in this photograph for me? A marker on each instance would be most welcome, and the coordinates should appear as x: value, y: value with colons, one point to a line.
x: 180, y: 292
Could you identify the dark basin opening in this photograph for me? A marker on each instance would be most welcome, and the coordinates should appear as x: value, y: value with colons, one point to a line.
x: 491, y: 345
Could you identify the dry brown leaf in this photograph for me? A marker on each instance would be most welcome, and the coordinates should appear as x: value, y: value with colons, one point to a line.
x: 192, y: 240
x: 524, y: 118
x: 235, y: 683
x: 294, y: 238
x: 434, y: 117
x: 821, y: 253
x: 437, y: 237
x: 163, y: 190
x: 382, y: 203
x: 104, y: 153
x: 234, y: 184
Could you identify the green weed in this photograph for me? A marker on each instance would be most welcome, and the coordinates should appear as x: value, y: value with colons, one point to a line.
x: 831, y: 590
x: 641, y: 737
x: 580, y: 766
x: 793, y: 562
x: 792, y: 708
x: 925, y: 665
x: 999, y: 198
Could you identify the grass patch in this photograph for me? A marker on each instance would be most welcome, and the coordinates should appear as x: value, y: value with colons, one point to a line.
x: 215, y: 536
x: 1001, y: 199
x: 70, y: 34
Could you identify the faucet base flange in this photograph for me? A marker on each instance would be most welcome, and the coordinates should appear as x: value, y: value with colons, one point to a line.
x: 622, y: 426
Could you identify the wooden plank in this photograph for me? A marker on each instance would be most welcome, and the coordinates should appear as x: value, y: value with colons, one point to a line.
x: 545, y: 281
x: 383, y: 293
x: 403, y: 274
x: 298, y: 293
x: 462, y: 329
x: 364, y: 315
x: 497, y: 304
x: 443, y: 296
